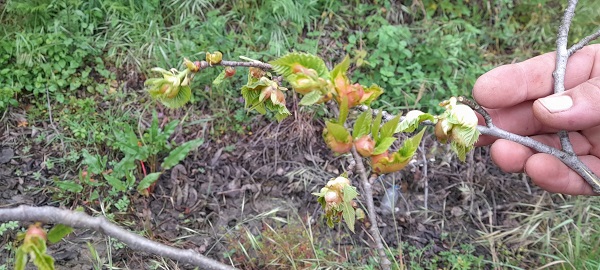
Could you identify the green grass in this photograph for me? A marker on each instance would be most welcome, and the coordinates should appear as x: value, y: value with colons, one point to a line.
x: 419, y: 55
x: 558, y: 233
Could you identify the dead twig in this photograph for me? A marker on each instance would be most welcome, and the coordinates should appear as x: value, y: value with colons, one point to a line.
x: 53, y: 215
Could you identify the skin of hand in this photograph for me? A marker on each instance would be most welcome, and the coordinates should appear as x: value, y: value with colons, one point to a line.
x: 520, y: 99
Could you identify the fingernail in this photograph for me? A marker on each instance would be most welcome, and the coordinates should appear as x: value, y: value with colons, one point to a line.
x: 556, y: 104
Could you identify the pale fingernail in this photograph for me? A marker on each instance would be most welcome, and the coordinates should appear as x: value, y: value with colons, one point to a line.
x: 556, y: 104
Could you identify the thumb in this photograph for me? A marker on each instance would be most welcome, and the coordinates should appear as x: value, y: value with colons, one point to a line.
x: 575, y: 109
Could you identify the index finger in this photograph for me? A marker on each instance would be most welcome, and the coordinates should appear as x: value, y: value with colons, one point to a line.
x: 508, y: 85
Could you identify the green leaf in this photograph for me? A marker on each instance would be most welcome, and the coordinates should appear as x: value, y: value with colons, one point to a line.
x: 180, y: 152
x: 330, y: 222
x: 148, y: 181
x: 466, y: 136
x: 349, y: 215
x: 183, y: 96
x: 42, y: 260
x: 373, y: 92
x: 341, y: 68
x: 250, y: 96
x: 68, y: 186
x: 96, y: 163
x: 115, y: 183
x: 282, y: 113
x: 20, y: 259
x: 460, y: 150
x: 412, y: 120
x: 339, y: 132
x: 283, y: 65
x: 58, y: 232
x: 343, y: 110
x: 410, y: 145
x: 349, y: 193
x: 219, y: 79
x: 311, y: 98
x: 169, y: 129
x: 376, y: 125
x: 387, y: 129
x: 383, y: 144
x: 363, y: 124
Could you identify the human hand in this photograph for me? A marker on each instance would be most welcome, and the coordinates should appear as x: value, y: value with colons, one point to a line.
x: 519, y: 98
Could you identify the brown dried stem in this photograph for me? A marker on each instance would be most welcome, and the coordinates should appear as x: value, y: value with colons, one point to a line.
x: 368, y: 195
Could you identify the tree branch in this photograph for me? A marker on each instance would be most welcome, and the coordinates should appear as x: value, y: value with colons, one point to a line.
x: 368, y: 193
x: 562, y: 56
x: 257, y: 64
x: 583, y: 42
x: 53, y: 215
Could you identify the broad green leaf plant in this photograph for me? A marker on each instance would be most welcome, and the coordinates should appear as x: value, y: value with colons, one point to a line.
x: 308, y: 76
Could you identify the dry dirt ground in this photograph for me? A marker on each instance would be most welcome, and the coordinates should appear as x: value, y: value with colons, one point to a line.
x: 240, y: 183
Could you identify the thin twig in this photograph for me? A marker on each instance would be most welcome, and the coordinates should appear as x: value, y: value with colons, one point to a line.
x: 257, y: 64
x: 477, y: 108
x: 562, y: 56
x: 569, y: 159
x: 572, y: 161
x: 368, y: 195
x: 583, y: 42
x: 53, y: 215
x: 424, y: 175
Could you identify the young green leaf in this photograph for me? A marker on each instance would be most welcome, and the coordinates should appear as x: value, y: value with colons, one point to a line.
x: 284, y: 65
x: 58, y: 232
x: 371, y: 93
x: 219, y: 79
x: 383, y: 145
x: 338, y: 131
x: 42, y: 260
x: 387, y: 129
x: 343, y: 110
x: 410, y: 145
x: 341, y: 68
x: 376, y: 125
x: 181, y: 98
x: 311, y: 98
x: 180, y: 152
x: 363, y: 124
x: 412, y: 120
x: 460, y: 150
x: 349, y: 193
x: 148, y: 181
x: 20, y: 259
x: 349, y: 215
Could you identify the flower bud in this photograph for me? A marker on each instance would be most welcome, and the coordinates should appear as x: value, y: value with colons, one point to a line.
x: 365, y: 146
x: 214, y: 58
x: 190, y: 65
x: 337, y: 147
x: 338, y: 183
x: 278, y: 98
x: 256, y: 72
x: 333, y: 198
x: 303, y: 85
x: 440, y: 134
x: 34, y: 231
x: 229, y: 71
